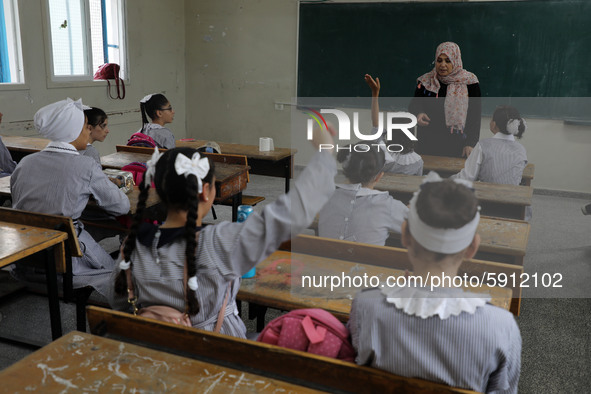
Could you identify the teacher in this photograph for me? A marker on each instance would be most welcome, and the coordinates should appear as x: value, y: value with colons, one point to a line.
x: 447, y: 106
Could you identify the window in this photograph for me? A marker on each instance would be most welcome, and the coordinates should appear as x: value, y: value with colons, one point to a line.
x: 85, y: 34
x: 11, y: 70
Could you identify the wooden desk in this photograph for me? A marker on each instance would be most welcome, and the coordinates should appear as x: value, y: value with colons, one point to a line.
x: 447, y: 166
x: 83, y: 362
x: 20, y: 146
x: 132, y: 195
x: 230, y: 178
x: 18, y: 241
x: 278, y: 162
x: 280, y: 285
x: 502, y: 240
x: 508, y: 201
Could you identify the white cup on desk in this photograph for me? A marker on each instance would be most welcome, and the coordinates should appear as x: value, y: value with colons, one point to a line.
x: 266, y: 144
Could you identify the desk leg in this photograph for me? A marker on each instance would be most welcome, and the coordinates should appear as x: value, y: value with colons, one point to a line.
x: 257, y: 311
x: 236, y: 202
x: 52, y: 295
x: 288, y: 172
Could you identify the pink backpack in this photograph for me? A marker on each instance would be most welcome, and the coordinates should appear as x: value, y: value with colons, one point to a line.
x: 314, y: 331
x: 137, y: 170
x: 140, y: 139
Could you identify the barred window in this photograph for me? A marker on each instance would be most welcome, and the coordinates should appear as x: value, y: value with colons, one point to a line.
x: 84, y: 35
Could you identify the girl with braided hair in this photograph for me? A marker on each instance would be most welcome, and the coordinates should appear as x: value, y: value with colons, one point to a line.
x: 216, y: 256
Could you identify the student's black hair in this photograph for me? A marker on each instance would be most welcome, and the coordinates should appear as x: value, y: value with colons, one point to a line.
x: 95, y: 116
x: 175, y: 192
x: 503, y: 115
x: 363, y: 163
x: 446, y: 204
x: 149, y: 108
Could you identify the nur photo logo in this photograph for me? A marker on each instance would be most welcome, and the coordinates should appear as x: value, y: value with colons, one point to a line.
x: 345, y: 127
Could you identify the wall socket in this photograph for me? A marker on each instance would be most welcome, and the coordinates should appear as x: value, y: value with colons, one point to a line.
x: 279, y: 106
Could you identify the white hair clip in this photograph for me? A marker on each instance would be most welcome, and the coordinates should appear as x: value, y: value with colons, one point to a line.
x: 151, y: 166
x: 124, y: 265
x: 146, y: 98
x: 513, y: 126
x: 192, y: 282
x: 197, y: 166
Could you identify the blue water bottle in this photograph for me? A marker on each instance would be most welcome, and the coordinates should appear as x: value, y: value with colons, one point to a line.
x: 244, y: 212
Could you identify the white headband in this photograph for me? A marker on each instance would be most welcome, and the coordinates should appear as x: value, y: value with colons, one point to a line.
x: 61, y: 121
x: 513, y: 126
x: 441, y: 240
x: 146, y: 98
x: 151, y: 167
x: 197, y: 166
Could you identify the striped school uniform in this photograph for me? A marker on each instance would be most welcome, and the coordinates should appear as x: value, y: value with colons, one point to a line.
x: 225, y: 251
x: 59, y: 181
x: 359, y: 214
x: 499, y: 159
x: 477, y: 349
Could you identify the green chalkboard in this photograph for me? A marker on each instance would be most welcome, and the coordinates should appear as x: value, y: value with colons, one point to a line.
x: 516, y: 49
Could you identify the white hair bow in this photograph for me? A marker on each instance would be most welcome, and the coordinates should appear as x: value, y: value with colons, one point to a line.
x: 197, y: 166
x: 513, y: 126
x: 146, y: 98
x: 151, y: 167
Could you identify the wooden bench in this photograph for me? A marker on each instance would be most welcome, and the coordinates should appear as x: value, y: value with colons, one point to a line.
x: 19, y: 241
x: 508, y: 201
x: 448, y: 166
x: 215, y: 157
x: 501, y: 240
x: 301, y: 368
x: 65, y: 224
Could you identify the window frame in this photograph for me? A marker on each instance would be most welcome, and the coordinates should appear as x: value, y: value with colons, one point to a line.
x: 18, y: 60
x: 61, y: 81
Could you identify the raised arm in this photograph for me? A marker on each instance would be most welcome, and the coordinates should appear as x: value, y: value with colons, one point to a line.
x: 374, y: 85
x: 239, y: 246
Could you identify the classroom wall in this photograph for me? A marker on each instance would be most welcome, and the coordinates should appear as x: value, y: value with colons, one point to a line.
x: 242, y: 58
x: 156, y: 46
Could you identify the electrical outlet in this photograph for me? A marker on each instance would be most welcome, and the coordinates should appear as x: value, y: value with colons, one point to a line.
x: 279, y: 106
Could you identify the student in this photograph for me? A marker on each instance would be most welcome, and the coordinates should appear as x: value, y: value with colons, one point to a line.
x: 7, y: 165
x: 216, y: 256
x: 356, y: 211
x: 407, y: 161
x: 499, y: 159
x: 59, y: 181
x: 159, y: 110
x: 98, y: 123
x: 444, y: 335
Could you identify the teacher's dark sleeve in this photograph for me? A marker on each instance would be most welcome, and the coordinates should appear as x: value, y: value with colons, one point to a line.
x: 416, y: 104
x: 473, y: 118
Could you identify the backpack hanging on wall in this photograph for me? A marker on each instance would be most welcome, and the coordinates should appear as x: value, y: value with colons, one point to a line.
x: 110, y: 71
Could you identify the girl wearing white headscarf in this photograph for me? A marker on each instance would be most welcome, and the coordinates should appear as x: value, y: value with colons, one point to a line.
x: 59, y: 181
x: 447, y: 106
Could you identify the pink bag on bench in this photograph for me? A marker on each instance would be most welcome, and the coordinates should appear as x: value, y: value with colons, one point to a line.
x: 310, y: 330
